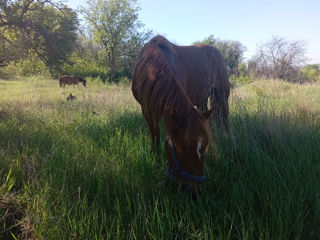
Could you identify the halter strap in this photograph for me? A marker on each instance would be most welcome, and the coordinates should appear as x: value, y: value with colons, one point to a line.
x: 172, y: 172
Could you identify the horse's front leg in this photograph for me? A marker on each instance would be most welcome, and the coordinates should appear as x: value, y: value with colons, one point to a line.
x: 153, y: 125
x: 155, y: 135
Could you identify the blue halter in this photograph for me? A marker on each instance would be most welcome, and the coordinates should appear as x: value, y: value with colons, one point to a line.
x: 172, y: 172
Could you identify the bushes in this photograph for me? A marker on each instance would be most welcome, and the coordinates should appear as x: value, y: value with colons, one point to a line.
x: 25, y: 67
x: 85, y: 67
x: 243, y: 75
x: 306, y: 74
x: 312, y: 72
x: 239, y: 80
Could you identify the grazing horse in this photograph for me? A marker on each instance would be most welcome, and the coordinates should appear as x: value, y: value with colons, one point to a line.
x: 71, y: 80
x: 174, y: 83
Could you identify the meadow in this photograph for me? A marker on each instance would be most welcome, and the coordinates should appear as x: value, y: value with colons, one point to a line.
x: 84, y: 169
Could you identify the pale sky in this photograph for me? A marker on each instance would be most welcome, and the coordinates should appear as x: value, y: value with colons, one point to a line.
x: 250, y: 22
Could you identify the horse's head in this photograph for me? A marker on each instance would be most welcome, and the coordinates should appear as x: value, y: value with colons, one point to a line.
x: 82, y: 80
x: 185, y: 147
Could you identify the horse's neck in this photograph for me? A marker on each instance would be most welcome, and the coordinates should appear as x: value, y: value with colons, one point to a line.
x: 191, y: 123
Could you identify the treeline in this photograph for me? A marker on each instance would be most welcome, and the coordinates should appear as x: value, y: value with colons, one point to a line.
x: 275, y: 59
x: 45, y: 36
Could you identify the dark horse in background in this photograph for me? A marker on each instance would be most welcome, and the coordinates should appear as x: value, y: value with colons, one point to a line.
x: 71, y: 80
x: 174, y: 83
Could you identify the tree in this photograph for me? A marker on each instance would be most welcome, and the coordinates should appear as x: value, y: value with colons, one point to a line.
x: 279, y: 58
x: 207, y: 41
x: 232, y: 51
x: 131, y: 48
x: 43, y: 28
x: 113, y: 23
x: 86, y: 60
x: 11, y: 46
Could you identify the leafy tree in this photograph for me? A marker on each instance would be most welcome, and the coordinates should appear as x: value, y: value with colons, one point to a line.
x: 86, y: 60
x: 232, y: 51
x: 11, y: 45
x: 41, y: 28
x: 207, y: 41
x: 130, y: 50
x: 115, y: 25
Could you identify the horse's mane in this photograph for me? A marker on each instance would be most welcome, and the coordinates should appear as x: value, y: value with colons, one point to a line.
x: 157, y: 72
x: 158, y: 78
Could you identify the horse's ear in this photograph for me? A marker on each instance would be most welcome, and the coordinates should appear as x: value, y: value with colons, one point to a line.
x: 208, y: 113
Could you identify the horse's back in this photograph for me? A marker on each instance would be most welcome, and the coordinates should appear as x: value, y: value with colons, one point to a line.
x: 67, y: 79
x: 63, y: 77
x: 148, y: 65
x: 202, y: 69
x: 197, y: 69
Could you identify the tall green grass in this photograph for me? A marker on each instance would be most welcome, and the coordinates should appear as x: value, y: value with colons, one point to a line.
x: 84, y: 169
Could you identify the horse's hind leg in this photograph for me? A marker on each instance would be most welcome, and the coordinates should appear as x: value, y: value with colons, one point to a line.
x: 220, y: 101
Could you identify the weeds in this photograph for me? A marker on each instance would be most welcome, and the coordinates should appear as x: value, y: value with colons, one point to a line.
x: 84, y: 169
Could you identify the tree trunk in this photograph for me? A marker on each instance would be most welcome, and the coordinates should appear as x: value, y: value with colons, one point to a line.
x: 112, y: 66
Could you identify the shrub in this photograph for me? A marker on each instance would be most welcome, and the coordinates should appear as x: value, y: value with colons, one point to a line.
x: 239, y: 80
x: 124, y: 80
x: 312, y: 72
x: 30, y: 67
x: 85, y: 67
x: 25, y: 67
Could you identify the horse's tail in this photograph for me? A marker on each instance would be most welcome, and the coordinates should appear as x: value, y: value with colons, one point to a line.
x: 60, y: 82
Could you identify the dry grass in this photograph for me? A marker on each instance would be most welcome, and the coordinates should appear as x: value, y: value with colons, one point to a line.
x: 14, y: 216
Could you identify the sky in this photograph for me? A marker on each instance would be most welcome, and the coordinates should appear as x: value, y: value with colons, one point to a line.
x: 251, y: 22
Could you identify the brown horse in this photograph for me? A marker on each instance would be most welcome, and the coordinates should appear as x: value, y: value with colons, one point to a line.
x: 175, y: 82
x: 71, y: 80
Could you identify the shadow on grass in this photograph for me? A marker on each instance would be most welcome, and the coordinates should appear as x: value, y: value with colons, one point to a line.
x: 266, y: 175
x: 268, y: 169
x: 131, y: 124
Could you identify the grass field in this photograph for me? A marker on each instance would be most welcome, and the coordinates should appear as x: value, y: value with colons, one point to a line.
x: 84, y: 169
